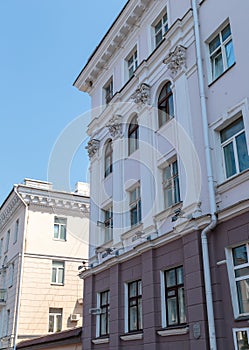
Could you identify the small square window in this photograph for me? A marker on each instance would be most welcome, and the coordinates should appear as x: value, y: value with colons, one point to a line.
x: 60, y: 228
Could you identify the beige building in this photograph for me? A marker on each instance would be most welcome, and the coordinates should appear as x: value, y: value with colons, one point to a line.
x: 43, y: 241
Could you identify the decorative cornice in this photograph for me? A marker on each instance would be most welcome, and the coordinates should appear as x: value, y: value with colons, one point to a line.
x: 8, y: 211
x: 176, y: 60
x: 115, y: 125
x: 142, y: 94
x: 92, y: 147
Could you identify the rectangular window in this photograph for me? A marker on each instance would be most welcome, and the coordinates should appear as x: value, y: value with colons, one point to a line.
x: 11, y: 274
x: 241, y: 337
x: 174, y: 297
x: 135, y: 206
x: 108, y: 223
x: 104, y: 304
x: 58, y: 268
x: 171, y: 188
x: 132, y: 63
x: 60, y: 228
x: 7, y: 241
x: 108, y: 91
x: 7, y: 322
x: 1, y: 247
x: 55, y: 320
x: 233, y: 143
x: 16, y: 231
x: 135, y: 306
x: 221, y: 52
x: 160, y: 28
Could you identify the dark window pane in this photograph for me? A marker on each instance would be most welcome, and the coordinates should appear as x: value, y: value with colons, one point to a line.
x: 232, y: 129
x: 242, y: 152
x: 229, y: 160
x: 240, y: 255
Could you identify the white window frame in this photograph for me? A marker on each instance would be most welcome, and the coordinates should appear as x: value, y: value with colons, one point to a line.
x: 60, y: 226
x: 57, y: 266
x: 235, y: 331
x: 7, y: 240
x: 98, y: 329
x: 1, y: 247
x: 108, y: 223
x: 126, y: 305
x: 157, y: 21
x: 232, y: 279
x: 11, y: 274
x: 55, y: 321
x: 173, y: 177
x: 133, y: 64
x: 108, y: 91
x: 136, y: 204
x: 220, y: 50
x: 16, y: 231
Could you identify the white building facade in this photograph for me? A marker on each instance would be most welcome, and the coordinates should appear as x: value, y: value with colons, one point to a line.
x: 169, y: 178
x: 44, y: 238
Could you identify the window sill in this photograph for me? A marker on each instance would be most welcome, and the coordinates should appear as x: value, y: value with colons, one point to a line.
x: 104, y: 340
x: 131, y: 336
x: 173, y: 331
x: 242, y: 318
x: 57, y: 284
x: 59, y: 240
x: 165, y: 213
x: 225, y: 71
x: 133, y: 230
x: 233, y: 181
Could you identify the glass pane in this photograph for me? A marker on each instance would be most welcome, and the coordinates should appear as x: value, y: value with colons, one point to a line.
x: 103, y: 328
x: 159, y: 37
x: 176, y: 190
x: 134, y: 216
x: 240, y: 255
x: 217, y: 65
x: 104, y: 298
x: 172, y: 311
x: 58, y: 323
x: 242, y: 340
x: 242, y: 152
x: 232, y: 130
x: 140, y: 314
x: 168, y: 197
x: 214, y: 44
x: 226, y: 32
x: 51, y: 323
x: 181, y: 301
x: 133, y: 289
x: 63, y: 232
x: 158, y: 26
x: 54, y: 275
x: 179, y: 273
x: 56, y: 231
x: 229, y: 160
x: 230, y: 54
x: 243, y: 295
x: 133, y: 319
x: 171, y: 106
x: 242, y: 272
x: 167, y: 173
x: 139, y: 287
x: 170, y: 278
x: 61, y: 275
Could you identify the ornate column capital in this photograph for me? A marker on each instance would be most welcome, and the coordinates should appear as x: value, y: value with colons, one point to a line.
x: 176, y: 60
x: 142, y: 94
x: 92, y: 147
x: 115, y: 125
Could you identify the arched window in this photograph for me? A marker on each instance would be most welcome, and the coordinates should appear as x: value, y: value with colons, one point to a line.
x: 108, y: 158
x: 133, y: 135
x: 165, y: 104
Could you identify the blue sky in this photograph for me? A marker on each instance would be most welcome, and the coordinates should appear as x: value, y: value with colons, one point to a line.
x: 44, y: 45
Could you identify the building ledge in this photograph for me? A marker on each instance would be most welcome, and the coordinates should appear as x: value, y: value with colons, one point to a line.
x: 173, y: 331
x: 105, y: 340
x: 131, y: 336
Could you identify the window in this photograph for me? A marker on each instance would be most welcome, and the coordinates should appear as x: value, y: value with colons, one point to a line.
x: 221, y: 52
x: 108, y: 158
x: 171, y: 188
x: 60, y: 228
x: 132, y: 63
x: 108, y: 224
x: 160, y: 28
x: 133, y: 136
x: 7, y: 322
x: 55, y: 320
x: 235, y: 154
x: 7, y: 241
x: 165, y: 105
x: 174, y: 296
x: 16, y: 231
x: 104, y: 305
x: 1, y: 247
x: 135, y: 306
x: 241, y: 337
x: 11, y: 274
x: 135, y: 206
x: 58, y: 268
x: 108, y: 91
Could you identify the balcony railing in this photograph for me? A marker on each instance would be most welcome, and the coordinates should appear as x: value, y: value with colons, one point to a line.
x: 2, y: 296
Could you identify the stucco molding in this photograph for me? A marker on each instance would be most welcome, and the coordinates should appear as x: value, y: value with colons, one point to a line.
x: 115, y: 126
x: 176, y: 60
x: 9, y: 210
x: 141, y: 96
x: 92, y: 147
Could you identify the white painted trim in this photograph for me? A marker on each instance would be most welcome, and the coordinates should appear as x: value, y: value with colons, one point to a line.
x: 235, y: 338
x: 101, y: 341
x: 163, y: 301
x: 98, y: 318
x: 125, y: 308
x: 136, y: 336
x: 173, y: 331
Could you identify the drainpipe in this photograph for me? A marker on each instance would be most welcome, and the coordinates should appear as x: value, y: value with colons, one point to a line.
x: 213, y: 223
x: 21, y: 269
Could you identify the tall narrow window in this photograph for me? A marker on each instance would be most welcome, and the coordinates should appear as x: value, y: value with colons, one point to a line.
x: 221, y: 52
x: 7, y: 241
x: 16, y: 231
x: 235, y: 153
x: 11, y: 274
x: 165, y: 104
x: 1, y: 247
x: 135, y: 206
x: 108, y: 158
x: 132, y: 63
x: 108, y: 91
x: 135, y: 306
x: 60, y: 228
x: 174, y: 290
x: 58, y: 268
x: 133, y: 135
x: 55, y: 320
x: 108, y: 224
x: 7, y: 322
x: 171, y: 188
x: 104, y: 313
x: 160, y: 28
